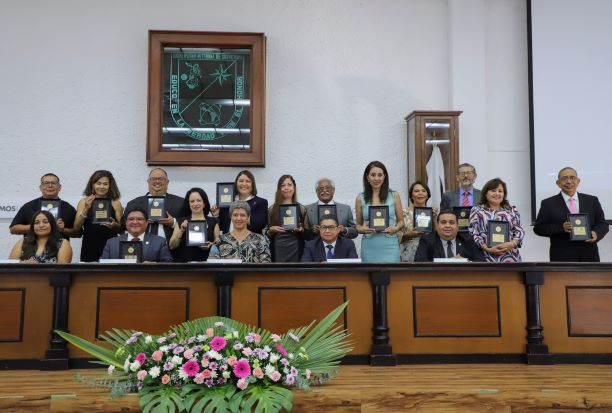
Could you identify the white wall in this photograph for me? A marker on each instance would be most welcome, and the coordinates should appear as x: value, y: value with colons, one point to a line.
x: 341, y: 76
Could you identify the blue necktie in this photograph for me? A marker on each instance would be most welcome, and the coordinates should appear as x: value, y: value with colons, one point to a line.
x: 329, y: 251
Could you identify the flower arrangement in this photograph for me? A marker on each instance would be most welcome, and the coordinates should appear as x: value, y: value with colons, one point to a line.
x: 219, y: 365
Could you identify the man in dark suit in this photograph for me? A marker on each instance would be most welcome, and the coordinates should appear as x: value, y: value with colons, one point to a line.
x: 466, y: 195
x: 154, y: 248
x: 328, y: 244
x: 447, y: 242
x: 158, y: 186
x: 552, y: 220
x: 326, y: 189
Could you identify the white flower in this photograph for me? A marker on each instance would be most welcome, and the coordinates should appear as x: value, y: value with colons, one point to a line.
x: 226, y: 374
x: 274, y: 358
x: 135, y: 366
x: 201, y: 338
x: 235, y: 334
x: 161, y: 340
x: 183, y: 375
x: 290, y: 356
x: 214, y: 374
x: 126, y: 365
x: 154, y: 372
x: 269, y: 369
x: 110, y: 370
x: 267, y: 348
x: 164, y: 349
x: 177, y: 360
x: 214, y: 355
x: 148, y: 339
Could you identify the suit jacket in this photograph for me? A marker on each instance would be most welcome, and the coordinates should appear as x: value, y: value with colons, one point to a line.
x: 450, y: 199
x: 430, y: 247
x: 154, y: 248
x: 315, y: 251
x: 173, y: 204
x: 549, y: 223
x: 345, y: 217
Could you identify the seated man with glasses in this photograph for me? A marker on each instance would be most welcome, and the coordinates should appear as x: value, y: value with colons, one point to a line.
x: 50, y: 188
x: 466, y: 194
x: 154, y: 248
x: 328, y: 244
x: 552, y: 220
x: 325, y: 189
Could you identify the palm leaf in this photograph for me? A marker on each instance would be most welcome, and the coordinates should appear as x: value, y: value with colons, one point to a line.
x: 101, y: 353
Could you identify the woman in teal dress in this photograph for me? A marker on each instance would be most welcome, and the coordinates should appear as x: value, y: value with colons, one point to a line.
x: 378, y: 246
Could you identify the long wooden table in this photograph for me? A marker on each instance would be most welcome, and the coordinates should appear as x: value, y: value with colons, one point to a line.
x: 538, y: 313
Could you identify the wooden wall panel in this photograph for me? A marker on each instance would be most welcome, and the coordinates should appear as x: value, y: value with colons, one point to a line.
x: 589, y: 311
x: 11, y: 314
x: 456, y: 311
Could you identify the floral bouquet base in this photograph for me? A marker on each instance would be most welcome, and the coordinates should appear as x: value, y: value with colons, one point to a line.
x: 218, y: 365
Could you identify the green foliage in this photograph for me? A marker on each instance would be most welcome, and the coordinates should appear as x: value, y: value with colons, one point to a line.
x: 101, y: 353
x: 200, y: 399
x: 160, y: 400
x: 262, y: 399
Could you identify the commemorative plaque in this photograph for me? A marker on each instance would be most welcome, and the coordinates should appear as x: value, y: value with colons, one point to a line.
x: 129, y: 250
x: 423, y: 219
x: 196, y: 233
x: 581, y: 227
x: 51, y: 205
x: 326, y: 212
x: 101, y: 208
x: 156, y: 208
x: 289, y: 216
x: 463, y: 217
x: 225, y: 194
x: 498, y: 233
x: 378, y: 217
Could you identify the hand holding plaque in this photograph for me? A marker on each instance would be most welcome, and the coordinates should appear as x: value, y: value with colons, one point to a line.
x: 196, y: 233
x: 51, y: 205
x: 498, y: 233
x: 463, y: 218
x: 156, y: 208
x: 129, y: 250
x: 378, y: 217
x: 423, y: 219
x: 581, y: 227
x: 289, y: 216
x: 225, y: 194
x: 101, y: 208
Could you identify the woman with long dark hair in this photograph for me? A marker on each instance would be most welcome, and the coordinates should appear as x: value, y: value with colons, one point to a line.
x: 378, y: 246
x: 101, y: 185
x: 286, y: 246
x: 43, y: 242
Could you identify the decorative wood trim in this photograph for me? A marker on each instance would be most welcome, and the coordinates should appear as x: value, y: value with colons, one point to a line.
x: 19, y: 337
x: 569, y: 311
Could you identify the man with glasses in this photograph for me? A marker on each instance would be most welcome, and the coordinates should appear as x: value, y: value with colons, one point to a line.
x: 328, y: 244
x: 552, y: 220
x: 49, y: 188
x: 154, y: 248
x: 158, y: 187
x: 466, y: 195
x: 325, y: 189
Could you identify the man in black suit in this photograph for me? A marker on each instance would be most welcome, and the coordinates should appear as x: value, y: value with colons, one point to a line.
x: 447, y: 242
x: 328, y: 244
x: 158, y: 186
x: 466, y: 195
x: 552, y: 220
x: 154, y: 248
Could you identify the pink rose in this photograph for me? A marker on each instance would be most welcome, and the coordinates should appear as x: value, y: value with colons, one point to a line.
x: 207, y: 374
x: 205, y: 363
x: 210, y: 332
x: 258, y: 372
x: 199, y: 378
x: 157, y: 355
x: 247, y: 351
x: 232, y: 360
x: 275, y: 337
x: 165, y: 379
x: 188, y: 354
x: 242, y: 384
x: 275, y: 375
x: 257, y: 338
x: 141, y: 375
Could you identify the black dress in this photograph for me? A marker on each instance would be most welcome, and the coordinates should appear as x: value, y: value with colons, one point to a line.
x: 259, y: 216
x: 95, y: 237
x: 183, y: 253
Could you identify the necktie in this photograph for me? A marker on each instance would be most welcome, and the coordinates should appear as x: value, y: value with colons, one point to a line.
x: 465, y: 201
x: 330, y: 254
x: 572, y: 206
x: 153, y: 228
x: 135, y: 239
x: 449, y: 249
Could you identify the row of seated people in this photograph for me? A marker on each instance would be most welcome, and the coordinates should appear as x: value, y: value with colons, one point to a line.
x: 397, y: 242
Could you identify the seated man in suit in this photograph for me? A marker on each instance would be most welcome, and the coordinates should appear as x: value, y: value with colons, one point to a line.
x: 154, y: 247
x: 447, y: 242
x: 466, y: 195
x: 326, y: 189
x: 329, y: 244
x: 552, y: 220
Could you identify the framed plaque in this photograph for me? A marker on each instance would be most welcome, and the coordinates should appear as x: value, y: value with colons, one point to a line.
x: 225, y: 194
x: 581, y: 227
x: 206, y: 98
x: 129, y: 250
x: 101, y: 210
x: 51, y: 205
x: 326, y: 212
x: 463, y: 217
x: 379, y: 217
x: 498, y: 232
x: 423, y: 219
x: 289, y: 216
x: 196, y: 233
x: 156, y: 208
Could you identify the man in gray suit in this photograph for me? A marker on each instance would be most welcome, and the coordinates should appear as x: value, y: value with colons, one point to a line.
x: 326, y: 189
x: 154, y: 247
x: 466, y: 195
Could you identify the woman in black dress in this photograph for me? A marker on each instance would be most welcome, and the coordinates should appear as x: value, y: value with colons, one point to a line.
x: 101, y: 185
x: 195, y: 208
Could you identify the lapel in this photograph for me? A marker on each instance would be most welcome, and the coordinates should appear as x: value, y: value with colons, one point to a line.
x: 438, y: 251
x: 337, y: 248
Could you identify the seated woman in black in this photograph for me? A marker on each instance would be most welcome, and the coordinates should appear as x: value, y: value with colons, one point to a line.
x: 246, y: 190
x: 43, y: 242
x: 195, y: 208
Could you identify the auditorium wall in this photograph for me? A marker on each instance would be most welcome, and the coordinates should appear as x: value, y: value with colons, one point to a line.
x: 341, y: 76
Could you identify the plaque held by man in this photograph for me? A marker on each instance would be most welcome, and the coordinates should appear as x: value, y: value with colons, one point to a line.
x: 52, y: 206
x: 129, y: 250
x: 327, y: 212
x: 156, y: 208
x: 581, y: 227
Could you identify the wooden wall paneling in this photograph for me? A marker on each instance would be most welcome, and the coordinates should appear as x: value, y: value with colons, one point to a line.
x: 12, y: 303
x: 589, y: 311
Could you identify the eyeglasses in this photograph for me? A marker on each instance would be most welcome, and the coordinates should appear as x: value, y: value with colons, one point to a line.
x: 465, y: 173
x: 158, y: 179
x: 324, y: 188
x: 328, y: 227
x: 49, y: 183
x: 134, y: 219
x: 567, y: 178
